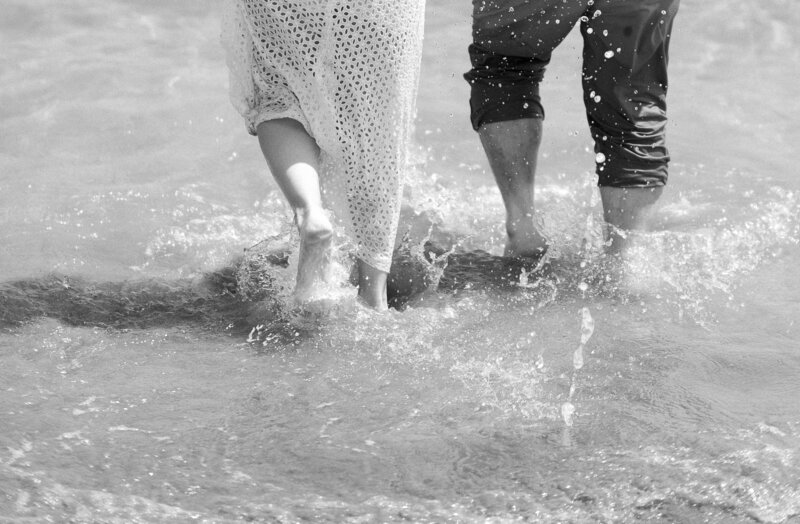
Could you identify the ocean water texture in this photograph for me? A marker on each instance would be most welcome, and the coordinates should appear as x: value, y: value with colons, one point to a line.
x: 137, y: 386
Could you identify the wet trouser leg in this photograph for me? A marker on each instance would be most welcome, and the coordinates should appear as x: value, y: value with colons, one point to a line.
x: 624, y: 75
x: 625, y: 57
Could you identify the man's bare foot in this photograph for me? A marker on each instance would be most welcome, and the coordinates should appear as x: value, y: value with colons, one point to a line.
x: 626, y: 210
x: 525, y: 243
x: 313, y: 267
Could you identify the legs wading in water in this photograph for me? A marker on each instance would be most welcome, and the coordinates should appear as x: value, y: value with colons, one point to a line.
x: 293, y: 157
x: 511, y: 148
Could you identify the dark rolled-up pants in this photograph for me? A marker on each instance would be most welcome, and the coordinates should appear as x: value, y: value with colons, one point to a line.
x: 625, y: 48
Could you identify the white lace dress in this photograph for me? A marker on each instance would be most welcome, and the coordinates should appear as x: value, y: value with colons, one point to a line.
x: 348, y: 71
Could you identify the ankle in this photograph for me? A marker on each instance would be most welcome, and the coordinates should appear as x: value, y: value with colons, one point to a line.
x: 525, y: 240
x: 374, y: 299
x: 523, y: 230
x: 372, y: 286
x: 313, y: 223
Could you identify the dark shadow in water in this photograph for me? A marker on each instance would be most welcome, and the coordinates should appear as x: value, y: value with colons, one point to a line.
x: 209, y: 301
x: 213, y: 301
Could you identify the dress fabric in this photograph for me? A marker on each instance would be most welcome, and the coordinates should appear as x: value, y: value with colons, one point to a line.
x: 348, y: 71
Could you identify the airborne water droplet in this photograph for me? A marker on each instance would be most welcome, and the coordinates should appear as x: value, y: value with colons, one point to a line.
x: 567, y: 410
x: 577, y: 358
x: 587, y: 325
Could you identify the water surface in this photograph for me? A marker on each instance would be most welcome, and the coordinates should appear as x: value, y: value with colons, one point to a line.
x: 136, y: 389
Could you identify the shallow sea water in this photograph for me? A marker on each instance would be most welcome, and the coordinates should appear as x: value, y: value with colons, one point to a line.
x: 137, y: 387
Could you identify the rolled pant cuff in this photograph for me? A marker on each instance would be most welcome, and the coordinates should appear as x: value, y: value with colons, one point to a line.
x: 611, y: 174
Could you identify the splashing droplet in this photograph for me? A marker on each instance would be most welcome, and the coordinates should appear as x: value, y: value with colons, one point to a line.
x: 567, y: 410
x: 577, y: 358
x: 587, y: 325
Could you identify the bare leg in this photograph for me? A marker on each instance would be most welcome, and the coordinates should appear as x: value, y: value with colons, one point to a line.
x: 512, y: 148
x: 626, y: 209
x: 293, y: 157
x: 372, y: 286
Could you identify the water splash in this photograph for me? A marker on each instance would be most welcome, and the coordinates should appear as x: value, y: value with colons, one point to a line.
x: 587, y: 329
x: 692, y: 271
x: 567, y: 411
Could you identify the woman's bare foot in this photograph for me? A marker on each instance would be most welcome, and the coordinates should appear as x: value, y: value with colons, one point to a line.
x: 313, y: 267
x: 372, y: 286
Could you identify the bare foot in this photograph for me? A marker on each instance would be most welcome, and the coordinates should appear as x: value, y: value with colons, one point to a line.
x: 626, y: 209
x: 372, y: 286
x: 525, y: 243
x: 313, y: 267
